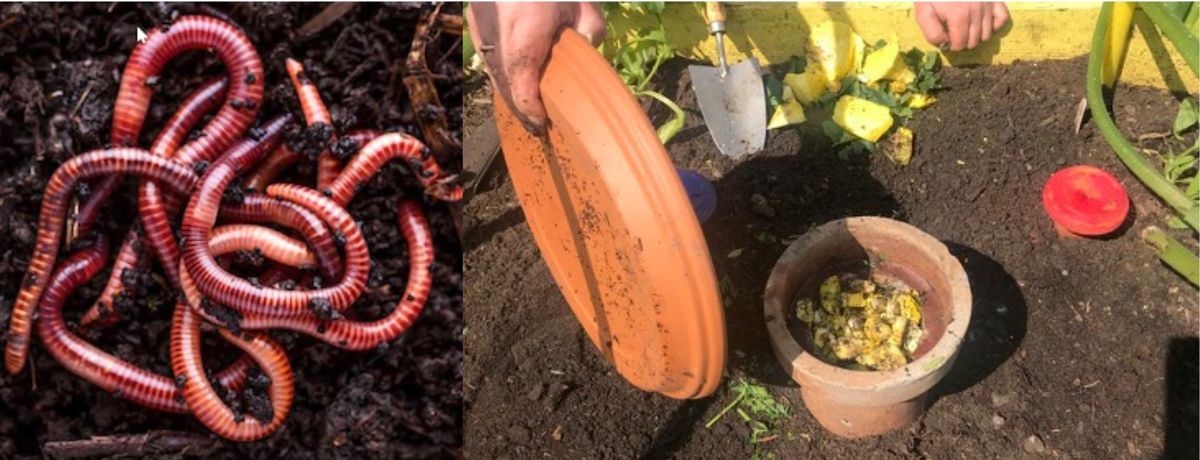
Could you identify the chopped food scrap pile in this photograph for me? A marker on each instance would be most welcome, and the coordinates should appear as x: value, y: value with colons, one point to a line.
x: 863, y: 325
x: 871, y: 89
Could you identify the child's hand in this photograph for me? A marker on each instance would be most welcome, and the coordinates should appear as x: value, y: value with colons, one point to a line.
x: 961, y: 25
x: 515, y: 39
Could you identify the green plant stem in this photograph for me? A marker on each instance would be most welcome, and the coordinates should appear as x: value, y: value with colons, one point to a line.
x: 1172, y: 27
x: 1129, y: 155
x: 1174, y: 254
x: 669, y: 129
x: 658, y: 60
x: 725, y: 411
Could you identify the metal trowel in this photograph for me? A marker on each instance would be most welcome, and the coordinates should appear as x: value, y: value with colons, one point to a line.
x: 731, y: 98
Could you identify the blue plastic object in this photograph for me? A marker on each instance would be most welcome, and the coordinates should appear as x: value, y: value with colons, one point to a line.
x: 701, y: 193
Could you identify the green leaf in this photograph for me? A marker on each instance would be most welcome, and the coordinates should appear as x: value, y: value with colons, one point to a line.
x: 931, y: 61
x: 468, y: 47
x: 857, y: 147
x: 1178, y: 165
x: 1188, y: 116
x: 797, y: 64
x: 835, y: 133
x: 774, y: 90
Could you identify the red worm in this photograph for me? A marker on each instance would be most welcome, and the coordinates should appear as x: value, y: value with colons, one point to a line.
x: 317, y: 117
x: 191, y: 111
x: 204, y: 402
x: 147, y: 61
x: 151, y: 209
x: 226, y: 289
x: 271, y: 168
x: 98, y: 163
x: 98, y: 367
x: 355, y: 335
x: 202, y: 101
x: 102, y: 313
x: 386, y: 148
x: 276, y: 274
x: 270, y: 242
x: 351, y: 143
x: 284, y: 157
x: 186, y: 363
x: 261, y: 209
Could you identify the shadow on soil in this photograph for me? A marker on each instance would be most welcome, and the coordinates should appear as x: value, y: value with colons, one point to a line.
x: 998, y: 317
x: 1183, y: 385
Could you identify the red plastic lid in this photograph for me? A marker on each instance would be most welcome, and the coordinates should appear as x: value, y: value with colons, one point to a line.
x: 1085, y: 200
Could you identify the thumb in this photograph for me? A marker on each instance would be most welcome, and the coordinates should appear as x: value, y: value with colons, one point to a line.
x: 931, y: 24
x: 523, y: 72
x: 589, y: 21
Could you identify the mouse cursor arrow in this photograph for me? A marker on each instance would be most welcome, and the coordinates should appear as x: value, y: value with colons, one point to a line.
x: 141, y: 35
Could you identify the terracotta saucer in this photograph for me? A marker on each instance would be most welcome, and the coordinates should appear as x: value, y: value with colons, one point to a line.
x: 615, y: 227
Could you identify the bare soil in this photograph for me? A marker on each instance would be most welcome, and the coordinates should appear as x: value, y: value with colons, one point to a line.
x: 60, y: 66
x: 1078, y: 348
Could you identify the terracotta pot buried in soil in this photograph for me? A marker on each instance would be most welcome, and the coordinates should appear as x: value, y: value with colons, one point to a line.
x: 855, y: 404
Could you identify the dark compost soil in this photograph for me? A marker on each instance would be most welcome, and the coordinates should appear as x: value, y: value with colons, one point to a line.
x: 1087, y: 345
x: 59, y: 71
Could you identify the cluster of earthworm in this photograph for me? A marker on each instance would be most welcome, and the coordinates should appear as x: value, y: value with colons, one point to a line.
x: 320, y: 261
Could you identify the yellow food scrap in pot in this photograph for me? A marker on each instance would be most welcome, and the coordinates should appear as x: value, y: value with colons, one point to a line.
x: 831, y: 291
x: 862, y: 118
x: 863, y: 324
x: 876, y: 330
x: 883, y: 358
x: 804, y: 310
x: 910, y: 308
x: 912, y: 339
x: 855, y: 299
x: 897, y: 330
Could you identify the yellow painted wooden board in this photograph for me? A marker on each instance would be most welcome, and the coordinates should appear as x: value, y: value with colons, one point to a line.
x: 774, y: 32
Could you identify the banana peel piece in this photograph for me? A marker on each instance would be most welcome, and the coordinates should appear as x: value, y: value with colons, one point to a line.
x: 879, y: 63
x: 807, y: 86
x: 837, y: 51
x: 898, y: 148
x: 787, y: 113
x: 887, y: 63
x: 862, y: 118
x: 920, y: 101
x: 901, y: 73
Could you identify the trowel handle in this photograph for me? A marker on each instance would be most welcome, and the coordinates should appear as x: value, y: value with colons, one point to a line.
x: 715, y: 15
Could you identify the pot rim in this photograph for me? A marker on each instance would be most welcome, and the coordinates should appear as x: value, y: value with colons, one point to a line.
x: 807, y: 368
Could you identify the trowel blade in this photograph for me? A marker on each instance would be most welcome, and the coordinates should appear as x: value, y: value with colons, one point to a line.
x: 734, y: 106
